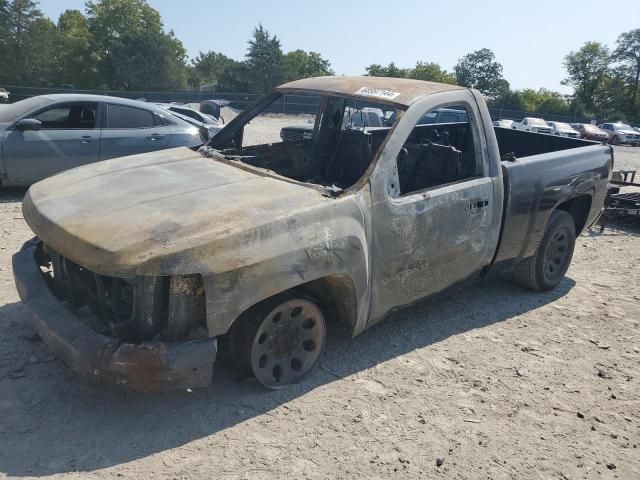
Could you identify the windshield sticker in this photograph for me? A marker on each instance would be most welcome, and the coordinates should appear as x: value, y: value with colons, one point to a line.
x: 377, y: 92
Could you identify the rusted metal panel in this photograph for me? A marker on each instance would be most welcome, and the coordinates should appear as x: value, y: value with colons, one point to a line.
x: 148, y: 366
x: 186, y: 306
x: 408, y: 91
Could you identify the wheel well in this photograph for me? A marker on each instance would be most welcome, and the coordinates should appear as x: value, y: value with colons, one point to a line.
x: 336, y: 296
x: 579, y: 208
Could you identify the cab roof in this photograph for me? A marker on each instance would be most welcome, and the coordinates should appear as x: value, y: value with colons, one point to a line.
x: 398, y: 91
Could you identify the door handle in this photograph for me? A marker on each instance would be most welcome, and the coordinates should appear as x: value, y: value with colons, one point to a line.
x: 86, y: 138
x: 155, y: 136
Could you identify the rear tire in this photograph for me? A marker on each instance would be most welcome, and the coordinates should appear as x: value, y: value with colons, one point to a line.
x: 550, y: 263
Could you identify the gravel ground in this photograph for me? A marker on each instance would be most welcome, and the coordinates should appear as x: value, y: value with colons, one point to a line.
x: 495, y: 382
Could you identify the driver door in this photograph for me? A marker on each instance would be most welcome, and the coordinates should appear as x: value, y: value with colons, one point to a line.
x: 433, y: 212
x: 68, y: 137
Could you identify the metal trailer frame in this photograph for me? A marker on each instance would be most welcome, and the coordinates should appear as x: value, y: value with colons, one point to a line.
x: 618, y: 204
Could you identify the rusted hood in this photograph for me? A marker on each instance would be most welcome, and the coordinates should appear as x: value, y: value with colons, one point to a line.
x: 153, y: 213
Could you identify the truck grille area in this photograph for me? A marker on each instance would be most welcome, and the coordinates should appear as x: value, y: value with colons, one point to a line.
x: 131, y: 309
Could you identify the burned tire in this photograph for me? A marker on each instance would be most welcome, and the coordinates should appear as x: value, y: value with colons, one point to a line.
x: 280, y: 340
x: 550, y: 263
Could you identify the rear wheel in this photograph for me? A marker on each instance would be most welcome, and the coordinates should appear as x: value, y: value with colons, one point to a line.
x: 279, y: 340
x: 550, y: 263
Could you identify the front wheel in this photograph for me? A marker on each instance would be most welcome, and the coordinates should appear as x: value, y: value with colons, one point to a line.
x: 615, y: 140
x: 279, y: 340
x: 550, y: 263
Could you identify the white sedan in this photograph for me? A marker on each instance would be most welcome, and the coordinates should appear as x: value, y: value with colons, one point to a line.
x: 534, y: 125
x: 563, y: 129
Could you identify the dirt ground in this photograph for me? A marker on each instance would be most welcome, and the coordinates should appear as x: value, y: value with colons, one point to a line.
x: 495, y: 382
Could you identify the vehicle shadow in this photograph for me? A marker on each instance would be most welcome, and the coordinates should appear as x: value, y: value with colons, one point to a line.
x: 55, y: 422
x: 621, y: 225
x: 12, y: 194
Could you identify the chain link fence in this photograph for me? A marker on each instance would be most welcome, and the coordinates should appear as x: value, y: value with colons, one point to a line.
x: 287, y: 104
x: 498, y: 113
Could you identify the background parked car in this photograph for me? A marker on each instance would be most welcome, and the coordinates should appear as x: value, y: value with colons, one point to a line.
x: 590, y: 132
x: 534, y: 125
x: 504, y: 123
x: 353, y: 119
x: 621, y: 133
x: 47, y: 134
x: 205, y: 123
x: 563, y: 130
x: 4, y: 96
x: 444, y: 115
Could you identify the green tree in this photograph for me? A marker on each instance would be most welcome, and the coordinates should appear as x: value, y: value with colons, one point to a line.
x: 4, y: 19
x: 428, y: 71
x: 4, y: 38
x: 40, y: 48
x: 16, y: 20
x: 391, y: 70
x: 211, y: 67
x: 481, y: 71
x: 627, y: 53
x: 544, y: 101
x: 76, y: 56
x: 264, y: 60
x: 27, y: 44
x: 217, y: 72
x: 300, y: 64
x: 114, y: 23
x: 611, y: 99
x: 431, y: 72
x: 111, y: 19
x: 586, y: 69
x: 148, y: 61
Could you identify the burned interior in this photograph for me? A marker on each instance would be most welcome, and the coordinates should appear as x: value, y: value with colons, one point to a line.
x: 335, y: 146
x: 332, y: 147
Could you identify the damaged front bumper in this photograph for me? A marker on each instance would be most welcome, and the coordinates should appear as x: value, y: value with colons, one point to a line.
x: 147, y: 366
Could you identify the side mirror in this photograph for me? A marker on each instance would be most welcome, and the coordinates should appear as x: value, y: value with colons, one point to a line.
x: 29, y: 124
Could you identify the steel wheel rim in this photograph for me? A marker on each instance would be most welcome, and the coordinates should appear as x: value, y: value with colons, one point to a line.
x: 288, y: 343
x: 557, y: 253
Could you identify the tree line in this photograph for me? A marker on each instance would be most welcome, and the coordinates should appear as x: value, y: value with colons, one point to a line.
x: 124, y: 45
x: 605, y: 81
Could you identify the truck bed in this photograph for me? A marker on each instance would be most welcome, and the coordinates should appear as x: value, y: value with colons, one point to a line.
x: 547, y: 172
x: 525, y: 144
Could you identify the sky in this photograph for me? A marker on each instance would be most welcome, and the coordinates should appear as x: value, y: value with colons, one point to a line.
x: 529, y: 37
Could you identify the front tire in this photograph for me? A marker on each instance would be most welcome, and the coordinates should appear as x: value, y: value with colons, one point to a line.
x: 550, y: 263
x: 280, y: 340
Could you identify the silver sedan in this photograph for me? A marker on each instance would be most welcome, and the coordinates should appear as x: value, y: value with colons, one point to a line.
x: 44, y: 135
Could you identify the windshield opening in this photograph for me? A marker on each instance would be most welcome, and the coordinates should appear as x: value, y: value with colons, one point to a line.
x: 16, y: 110
x: 325, y: 140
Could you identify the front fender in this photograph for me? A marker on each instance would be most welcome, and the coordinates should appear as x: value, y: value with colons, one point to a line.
x: 332, y: 242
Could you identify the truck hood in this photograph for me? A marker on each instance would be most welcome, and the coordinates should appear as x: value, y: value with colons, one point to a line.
x: 151, y: 213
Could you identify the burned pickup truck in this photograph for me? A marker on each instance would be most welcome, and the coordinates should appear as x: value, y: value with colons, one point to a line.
x: 141, y: 264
